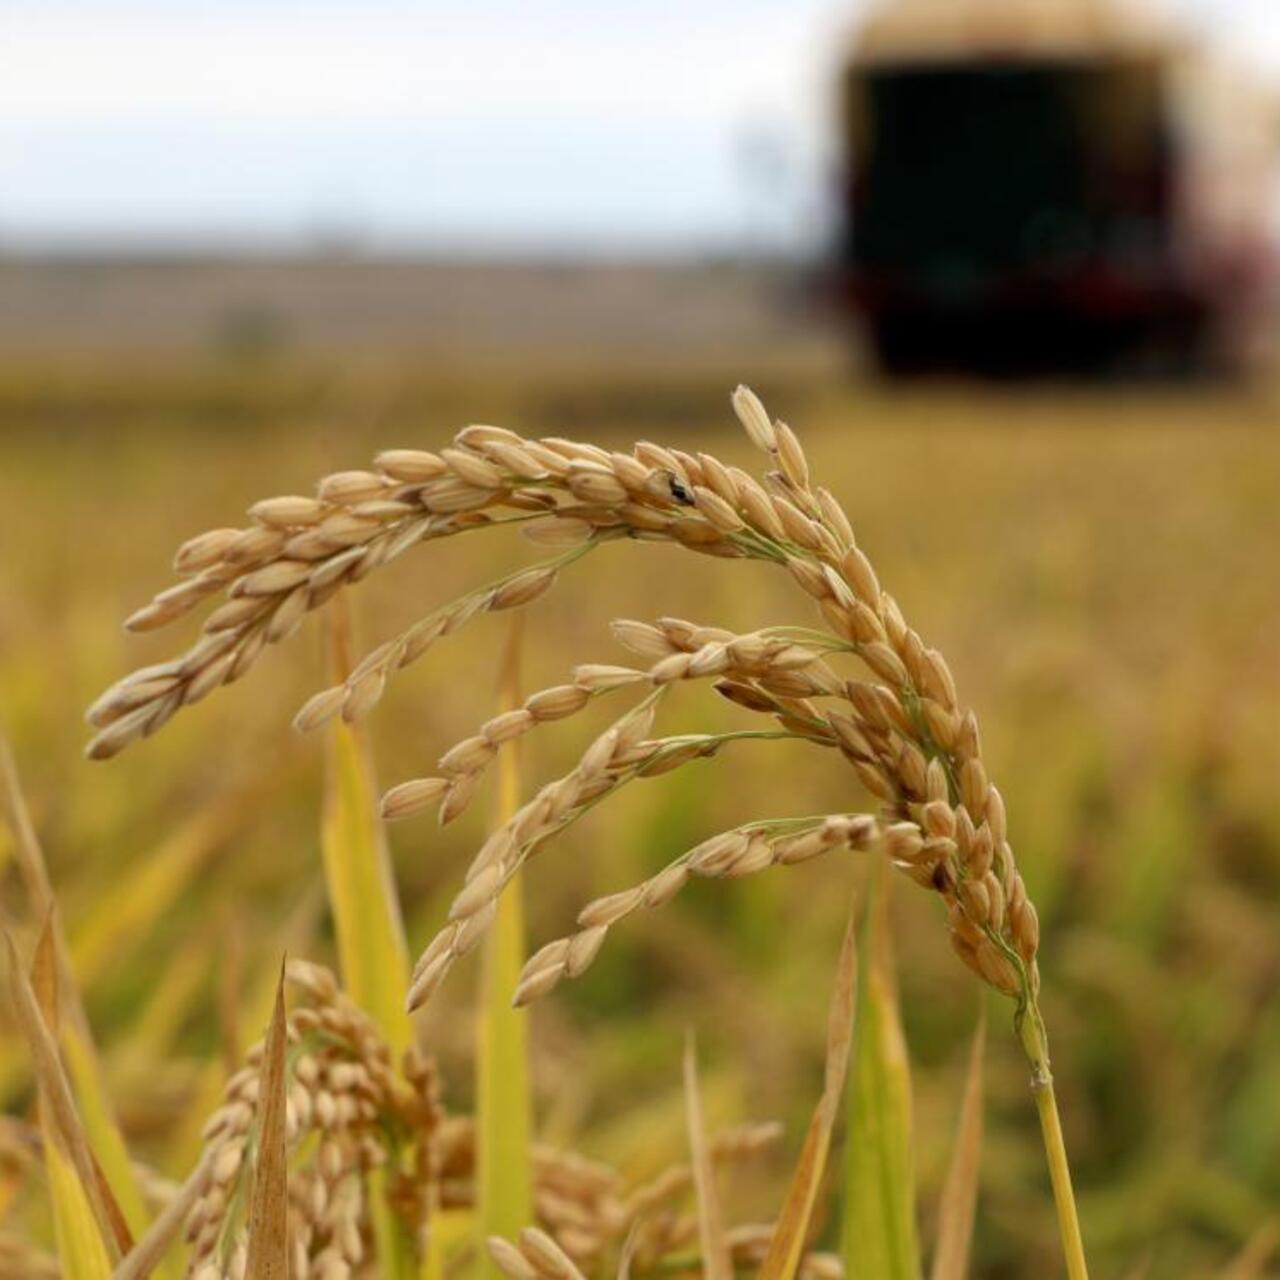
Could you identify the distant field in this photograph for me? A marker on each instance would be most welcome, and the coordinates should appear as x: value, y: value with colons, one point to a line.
x: 1098, y: 567
x: 246, y: 308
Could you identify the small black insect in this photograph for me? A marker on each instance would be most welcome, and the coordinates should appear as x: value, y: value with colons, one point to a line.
x: 679, y: 492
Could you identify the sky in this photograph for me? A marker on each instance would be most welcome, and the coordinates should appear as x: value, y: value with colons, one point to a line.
x: 576, y: 124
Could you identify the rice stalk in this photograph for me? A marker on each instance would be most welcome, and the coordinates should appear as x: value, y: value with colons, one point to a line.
x: 148, y: 1254
x: 1060, y: 1177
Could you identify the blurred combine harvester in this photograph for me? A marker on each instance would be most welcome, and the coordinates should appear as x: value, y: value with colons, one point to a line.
x: 1039, y: 185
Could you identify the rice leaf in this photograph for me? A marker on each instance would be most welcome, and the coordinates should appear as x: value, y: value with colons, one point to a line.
x: 104, y: 1136
x: 84, y: 1218
x: 716, y: 1259
x: 879, y: 1224
x: 81, y: 1253
x: 786, y: 1249
x: 57, y: 1099
x: 53, y: 956
x: 269, y: 1199
x: 372, y: 953
x: 960, y: 1191
x: 504, y: 1121
x: 366, y: 912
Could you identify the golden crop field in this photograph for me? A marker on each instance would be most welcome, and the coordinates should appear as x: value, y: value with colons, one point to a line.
x: 1099, y: 568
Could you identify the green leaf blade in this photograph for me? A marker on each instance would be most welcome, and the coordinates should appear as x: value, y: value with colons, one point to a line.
x: 786, y: 1249
x: 372, y: 953
x: 960, y: 1191
x: 880, y: 1236
x: 504, y: 1108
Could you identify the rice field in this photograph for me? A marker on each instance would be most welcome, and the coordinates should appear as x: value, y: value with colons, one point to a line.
x: 1098, y: 569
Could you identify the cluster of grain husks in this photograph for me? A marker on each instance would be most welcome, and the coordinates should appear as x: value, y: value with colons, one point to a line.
x: 652, y: 1243
x: 351, y: 1113
x: 901, y: 725
x: 590, y: 1211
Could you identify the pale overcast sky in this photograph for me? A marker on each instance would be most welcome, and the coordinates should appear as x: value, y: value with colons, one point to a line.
x: 562, y: 123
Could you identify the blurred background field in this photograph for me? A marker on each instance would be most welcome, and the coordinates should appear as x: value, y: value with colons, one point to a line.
x: 1096, y: 559
x: 1099, y: 567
